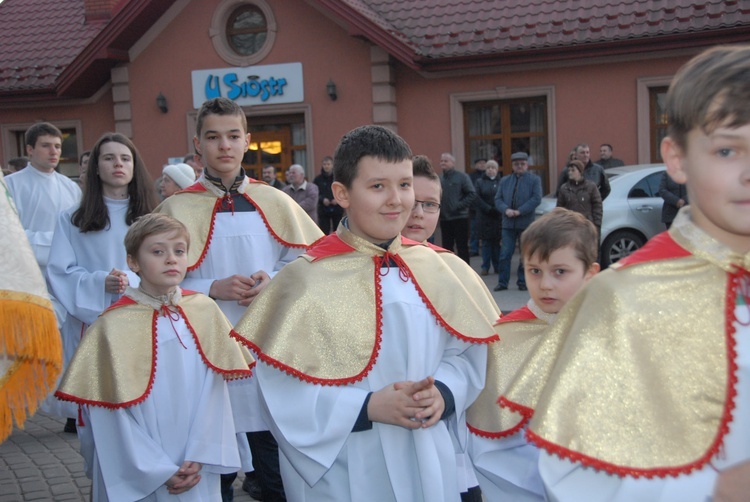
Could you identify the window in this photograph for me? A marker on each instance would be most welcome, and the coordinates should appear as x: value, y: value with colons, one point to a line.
x: 243, y: 31
x: 68, y: 164
x: 246, y: 30
x: 658, y: 120
x: 647, y: 187
x: 496, y: 129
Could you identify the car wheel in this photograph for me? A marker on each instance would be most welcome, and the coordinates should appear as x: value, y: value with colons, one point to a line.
x: 619, y: 245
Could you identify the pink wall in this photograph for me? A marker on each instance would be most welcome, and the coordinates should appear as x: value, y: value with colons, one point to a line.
x: 304, y: 35
x: 594, y: 103
x: 95, y: 118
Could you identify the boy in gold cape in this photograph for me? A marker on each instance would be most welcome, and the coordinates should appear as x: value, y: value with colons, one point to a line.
x: 647, y: 371
x: 151, y: 375
x: 366, y: 343
x: 559, y: 255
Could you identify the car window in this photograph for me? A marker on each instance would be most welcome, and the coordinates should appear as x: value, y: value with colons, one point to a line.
x: 646, y: 187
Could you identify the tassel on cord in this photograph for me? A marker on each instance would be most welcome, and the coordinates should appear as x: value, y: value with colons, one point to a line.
x: 29, y: 339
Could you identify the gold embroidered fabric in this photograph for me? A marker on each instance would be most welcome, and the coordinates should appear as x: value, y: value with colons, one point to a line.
x: 114, y: 362
x: 285, y: 218
x: 505, y: 359
x: 485, y: 302
x: 30, y: 344
x: 636, y: 365
x: 317, y: 320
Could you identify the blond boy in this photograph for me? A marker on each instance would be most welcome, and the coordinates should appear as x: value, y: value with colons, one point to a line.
x: 150, y: 374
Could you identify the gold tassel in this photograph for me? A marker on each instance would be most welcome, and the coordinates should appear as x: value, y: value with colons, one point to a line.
x: 30, y: 340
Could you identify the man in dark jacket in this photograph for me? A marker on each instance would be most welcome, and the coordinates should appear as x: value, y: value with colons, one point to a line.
x: 517, y: 198
x: 458, y: 196
x: 674, y: 195
x: 592, y: 172
x: 329, y: 211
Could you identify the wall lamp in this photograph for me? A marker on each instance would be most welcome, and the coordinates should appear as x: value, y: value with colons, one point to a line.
x: 161, y: 102
x: 331, y: 90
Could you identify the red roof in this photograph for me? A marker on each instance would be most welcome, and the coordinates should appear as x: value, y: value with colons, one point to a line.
x: 445, y: 34
x: 39, y: 39
x: 49, y: 51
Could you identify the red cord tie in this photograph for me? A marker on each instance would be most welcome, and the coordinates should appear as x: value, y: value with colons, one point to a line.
x: 227, y: 202
x: 384, y: 262
x: 172, y: 316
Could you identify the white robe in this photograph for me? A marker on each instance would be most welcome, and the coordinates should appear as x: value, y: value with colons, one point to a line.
x: 566, y: 481
x: 76, y: 272
x: 131, y: 452
x: 322, y: 459
x: 507, y: 468
x: 39, y: 198
x: 240, y: 244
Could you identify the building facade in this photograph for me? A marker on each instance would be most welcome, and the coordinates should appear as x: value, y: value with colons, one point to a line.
x: 480, y: 79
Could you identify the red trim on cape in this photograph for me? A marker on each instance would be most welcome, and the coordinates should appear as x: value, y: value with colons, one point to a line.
x: 723, y: 429
x: 124, y: 301
x: 195, y: 187
x: 438, y: 249
x: 518, y: 315
x: 113, y: 406
x: 330, y: 245
x: 198, y: 187
x: 154, y: 349
x: 498, y: 435
x: 215, y: 369
x: 402, y: 266
x: 302, y: 376
x: 209, y: 236
x: 660, y: 247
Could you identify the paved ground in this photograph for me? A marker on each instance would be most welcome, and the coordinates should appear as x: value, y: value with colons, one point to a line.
x: 42, y: 463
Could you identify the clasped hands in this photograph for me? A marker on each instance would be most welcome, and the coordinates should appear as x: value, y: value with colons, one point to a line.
x: 186, y: 477
x: 412, y: 405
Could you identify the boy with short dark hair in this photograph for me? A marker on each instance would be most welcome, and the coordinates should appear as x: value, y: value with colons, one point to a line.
x: 150, y: 374
x: 647, y: 371
x: 243, y: 232
x: 366, y: 343
x: 41, y: 193
x: 559, y: 255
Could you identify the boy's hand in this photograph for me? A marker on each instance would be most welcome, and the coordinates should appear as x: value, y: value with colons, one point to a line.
x: 116, y: 282
x: 394, y: 406
x: 733, y: 484
x: 261, y: 279
x: 236, y: 287
x: 186, y: 477
x: 426, y: 396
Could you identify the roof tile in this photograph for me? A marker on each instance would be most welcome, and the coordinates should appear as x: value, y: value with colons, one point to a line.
x: 454, y: 28
x: 35, y: 61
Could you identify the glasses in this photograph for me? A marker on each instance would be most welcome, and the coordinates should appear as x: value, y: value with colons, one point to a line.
x: 427, y: 206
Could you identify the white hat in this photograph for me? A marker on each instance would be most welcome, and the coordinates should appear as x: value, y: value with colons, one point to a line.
x: 182, y: 174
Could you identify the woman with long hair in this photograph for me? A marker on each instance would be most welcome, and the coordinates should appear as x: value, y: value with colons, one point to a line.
x: 87, y: 269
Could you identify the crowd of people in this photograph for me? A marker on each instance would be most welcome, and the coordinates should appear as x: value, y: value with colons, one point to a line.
x: 311, y: 335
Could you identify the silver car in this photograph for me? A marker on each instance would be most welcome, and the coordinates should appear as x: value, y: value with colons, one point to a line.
x: 632, y: 210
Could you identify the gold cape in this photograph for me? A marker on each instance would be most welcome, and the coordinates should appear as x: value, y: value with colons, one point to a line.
x: 196, y: 208
x: 115, y: 363
x: 30, y: 344
x: 464, y: 272
x: 520, y: 332
x: 640, y: 366
x: 319, y: 318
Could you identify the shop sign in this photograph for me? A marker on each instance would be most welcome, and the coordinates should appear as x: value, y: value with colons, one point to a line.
x: 253, y: 85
